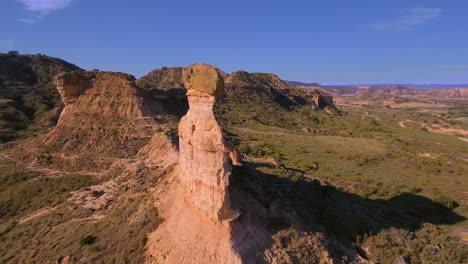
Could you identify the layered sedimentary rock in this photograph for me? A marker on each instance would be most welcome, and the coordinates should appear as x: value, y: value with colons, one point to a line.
x: 197, y: 228
x: 204, y: 162
x: 105, y: 116
x: 101, y: 107
x: 107, y: 93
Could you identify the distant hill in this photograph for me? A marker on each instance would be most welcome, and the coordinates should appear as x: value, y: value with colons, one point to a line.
x: 431, y: 90
x: 162, y: 78
x: 27, y: 93
x: 258, y: 97
x: 302, y: 84
x: 438, y: 86
x: 418, y: 86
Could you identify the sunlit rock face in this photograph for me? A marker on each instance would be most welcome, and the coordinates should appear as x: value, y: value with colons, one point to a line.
x: 205, y: 165
x: 104, y: 117
x: 197, y: 227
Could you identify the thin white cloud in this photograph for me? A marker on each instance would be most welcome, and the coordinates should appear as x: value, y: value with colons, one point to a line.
x: 42, y: 8
x: 45, y: 6
x: 7, y: 42
x: 28, y: 20
x: 409, y: 19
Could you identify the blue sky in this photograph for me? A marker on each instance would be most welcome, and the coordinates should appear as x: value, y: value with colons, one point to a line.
x: 326, y: 41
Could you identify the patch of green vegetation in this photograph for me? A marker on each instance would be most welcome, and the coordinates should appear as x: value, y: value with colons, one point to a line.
x: 24, y: 194
x: 377, y: 129
x: 94, y: 249
x: 430, y: 244
x: 390, y: 171
x: 116, y: 234
x: 87, y: 240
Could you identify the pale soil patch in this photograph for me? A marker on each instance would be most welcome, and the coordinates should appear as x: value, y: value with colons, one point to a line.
x: 5, y: 101
x: 339, y: 100
x: 91, y: 219
x: 435, y: 128
x: 441, y: 130
x: 54, y: 174
x: 462, y: 233
x: 38, y: 213
x: 49, y: 173
x: 463, y: 139
x: 404, y: 125
x: 417, y: 105
x: 5, y: 156
x: 95, y: 197
x: 427, y: 155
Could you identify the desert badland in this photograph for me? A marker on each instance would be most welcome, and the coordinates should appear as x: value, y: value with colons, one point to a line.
x: 195, y: 165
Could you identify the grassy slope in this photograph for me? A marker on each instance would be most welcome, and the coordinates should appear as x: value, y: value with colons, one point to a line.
x: 377, y: 160
x: 118, y: 230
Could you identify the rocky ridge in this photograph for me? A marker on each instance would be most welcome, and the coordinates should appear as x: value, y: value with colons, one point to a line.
x: 28, y: 98
x: 267, y: 85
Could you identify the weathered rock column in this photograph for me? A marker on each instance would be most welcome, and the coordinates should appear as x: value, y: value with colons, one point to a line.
x: 196, y: 207
x: 205, y: 164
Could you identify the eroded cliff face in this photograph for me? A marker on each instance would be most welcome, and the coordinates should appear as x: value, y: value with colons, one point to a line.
x: 104, y: 114
x: 106, y: 93
x: 105, y: 117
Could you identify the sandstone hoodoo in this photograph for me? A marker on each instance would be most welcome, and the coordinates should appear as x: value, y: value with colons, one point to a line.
x: 197, y: 228
x: 205, y: 163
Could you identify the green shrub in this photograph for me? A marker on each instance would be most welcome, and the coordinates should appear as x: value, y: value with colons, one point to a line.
x: 94, y: 249
x: 445, y: 201
x: 415, y: 189
x: 87, y: 240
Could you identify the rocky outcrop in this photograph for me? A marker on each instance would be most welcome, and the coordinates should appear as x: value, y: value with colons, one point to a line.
x: 71, y: 85
x: 197, y: 229
x: 208, y: 218
x: 271, y: 79
x: 107, y: 93
x: 106, y: 116
x: 251, y: 86
x: 204, y: 161
x: 164, y: 78
x: 323, y: 101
